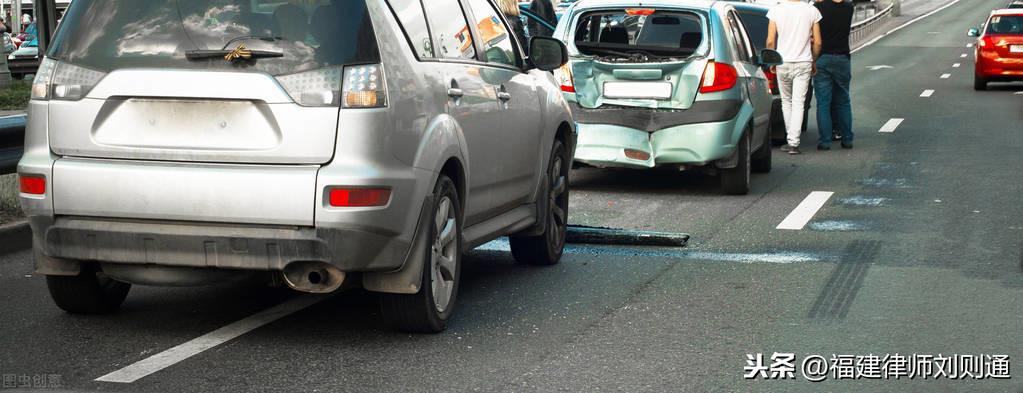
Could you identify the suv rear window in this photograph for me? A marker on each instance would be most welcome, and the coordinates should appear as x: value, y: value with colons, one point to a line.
x: 111, y: 34
x: 639, y: 34
x: 1006, y: 24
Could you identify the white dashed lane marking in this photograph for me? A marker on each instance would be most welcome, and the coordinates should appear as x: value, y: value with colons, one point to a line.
x: 891, y: 125
x: 956, y: 65
x: 803, y: 213
x: 963, y: 55
x: 946, y: 76
x: 927, y: 93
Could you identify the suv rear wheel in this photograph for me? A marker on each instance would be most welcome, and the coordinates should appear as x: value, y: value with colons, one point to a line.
x: 428, y: 310
x: 546, y: 249
x: 90, y: 292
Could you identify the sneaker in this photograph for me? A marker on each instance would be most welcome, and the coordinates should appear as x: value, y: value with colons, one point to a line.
x: 836, y: 136
x: 787, y: 148
x: 793, y: 150
x: 847, y: 145
x: 823, y: 147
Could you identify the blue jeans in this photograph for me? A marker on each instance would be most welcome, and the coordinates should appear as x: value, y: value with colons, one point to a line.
x: 834, y: 106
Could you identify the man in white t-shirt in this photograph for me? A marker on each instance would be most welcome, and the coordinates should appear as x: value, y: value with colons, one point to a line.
x: 795, y: 33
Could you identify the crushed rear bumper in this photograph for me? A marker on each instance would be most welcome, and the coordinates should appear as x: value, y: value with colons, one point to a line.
x: 695, y: 136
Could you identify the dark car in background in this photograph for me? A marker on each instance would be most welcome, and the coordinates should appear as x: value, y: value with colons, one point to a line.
x: 25, y: 59
x: 754, y: 17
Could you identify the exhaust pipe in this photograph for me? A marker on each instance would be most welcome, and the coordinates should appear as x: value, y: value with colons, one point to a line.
x: 313, y: 277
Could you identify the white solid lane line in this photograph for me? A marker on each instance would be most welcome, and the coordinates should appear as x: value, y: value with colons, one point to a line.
x: 891, y: 125
x: 209, y: 340
x: 946, y: 76
x: 803, y: 213
x: 956, y: 65
x: 904, y: 25
x: 927, y: 93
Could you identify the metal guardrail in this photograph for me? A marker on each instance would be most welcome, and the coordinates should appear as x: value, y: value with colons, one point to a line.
x: 866, y: 28
x: 12, y: 140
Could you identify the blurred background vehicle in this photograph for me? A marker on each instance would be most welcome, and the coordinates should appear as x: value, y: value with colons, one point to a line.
x: 999, y: 48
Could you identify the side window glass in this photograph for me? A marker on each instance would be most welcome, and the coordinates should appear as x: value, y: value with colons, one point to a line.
x: 737, y: 38
x: 496, y: 37
x: 744, y: 37
x: 450, y: 31
x: 413, y: 21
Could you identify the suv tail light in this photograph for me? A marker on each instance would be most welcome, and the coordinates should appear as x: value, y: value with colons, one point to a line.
x: 32, y: 184
x: 564, y: 77
x: 359, y: 197
x: 57, y: 80
x: 364, y: 87
x: 319, y: 87
x: 718, y: 77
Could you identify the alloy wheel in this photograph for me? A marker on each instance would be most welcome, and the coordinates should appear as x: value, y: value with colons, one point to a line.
x: 444, y: 254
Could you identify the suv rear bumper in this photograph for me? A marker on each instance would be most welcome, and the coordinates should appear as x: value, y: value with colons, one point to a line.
x: 202, y: 245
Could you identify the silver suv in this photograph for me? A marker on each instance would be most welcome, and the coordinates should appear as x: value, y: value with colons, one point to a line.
x: 367, y: 142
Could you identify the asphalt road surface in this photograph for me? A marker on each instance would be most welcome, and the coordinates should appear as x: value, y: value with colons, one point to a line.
x: 916, y: 251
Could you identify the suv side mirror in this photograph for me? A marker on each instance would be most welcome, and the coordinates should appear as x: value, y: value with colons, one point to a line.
x: 547, y: 53
x: 974, y: 32
x: 770, y: 58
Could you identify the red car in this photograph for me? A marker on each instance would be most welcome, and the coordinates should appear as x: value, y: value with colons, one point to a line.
x: 999, y: 48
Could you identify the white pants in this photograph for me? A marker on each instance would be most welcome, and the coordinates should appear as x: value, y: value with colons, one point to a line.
x: 794, y: 81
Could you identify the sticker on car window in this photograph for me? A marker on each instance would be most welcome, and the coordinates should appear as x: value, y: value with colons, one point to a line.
x: 996, y: 19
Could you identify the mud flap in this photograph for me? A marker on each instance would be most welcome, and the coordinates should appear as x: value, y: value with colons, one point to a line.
x: 728, y: 162
x: 54, y: 266
x: 407, y: 279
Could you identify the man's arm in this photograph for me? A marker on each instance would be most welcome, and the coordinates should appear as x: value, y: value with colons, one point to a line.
x: 772, y: 31
x: 817, y: 41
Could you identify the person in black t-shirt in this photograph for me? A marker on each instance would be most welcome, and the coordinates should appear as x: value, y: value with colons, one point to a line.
x: 834, y: 73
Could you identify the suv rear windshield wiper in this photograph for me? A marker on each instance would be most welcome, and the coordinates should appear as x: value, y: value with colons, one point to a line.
x: 199, y: 54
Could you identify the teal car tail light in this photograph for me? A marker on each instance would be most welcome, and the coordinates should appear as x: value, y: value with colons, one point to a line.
x: 718, y: 77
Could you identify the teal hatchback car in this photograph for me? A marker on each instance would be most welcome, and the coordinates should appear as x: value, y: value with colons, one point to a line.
x: 667, y: 83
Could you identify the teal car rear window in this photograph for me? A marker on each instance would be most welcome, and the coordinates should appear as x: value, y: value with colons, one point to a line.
x: 643, y: 32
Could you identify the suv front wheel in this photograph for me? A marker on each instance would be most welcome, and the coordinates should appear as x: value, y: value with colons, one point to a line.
x: 546, y: 249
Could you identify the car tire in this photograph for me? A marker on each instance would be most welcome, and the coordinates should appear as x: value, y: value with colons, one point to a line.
x: 90, y: 292
x: 546, y: 249
x: 735, y: 181
x: 979, y: 83
x: 428, y: 310
x: 762, y: 160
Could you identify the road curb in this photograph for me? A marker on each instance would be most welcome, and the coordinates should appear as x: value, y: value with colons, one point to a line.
x: 15, y: 236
